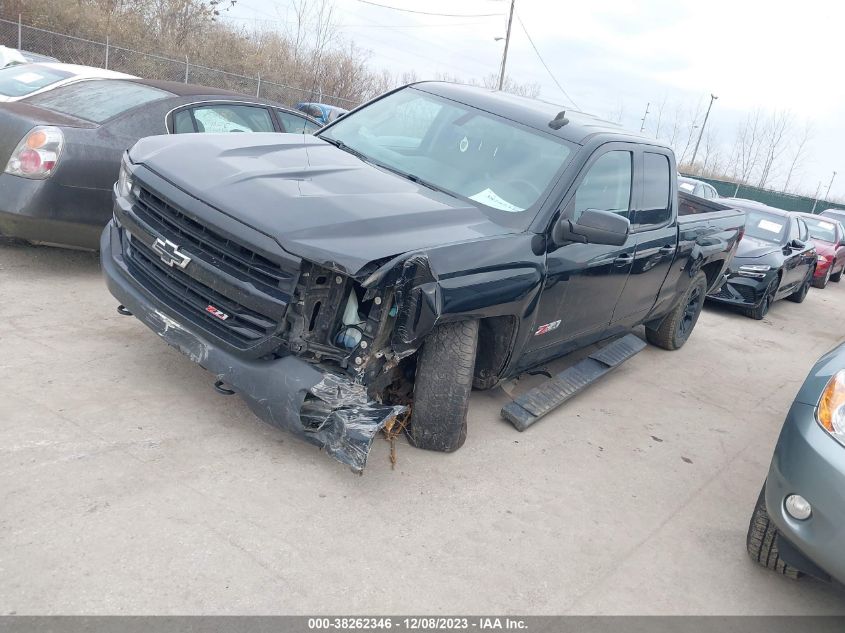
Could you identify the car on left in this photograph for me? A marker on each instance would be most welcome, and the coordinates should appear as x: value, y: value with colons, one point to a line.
x: 20, y: 81
x: 14, y: 56
x: 62, y: 149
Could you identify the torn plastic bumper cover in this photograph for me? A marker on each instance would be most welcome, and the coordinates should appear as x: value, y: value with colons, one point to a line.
x: 325, y: 409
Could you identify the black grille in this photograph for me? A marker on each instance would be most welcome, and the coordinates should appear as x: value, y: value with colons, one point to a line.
x: 228, y: 255
x: 243, y: 328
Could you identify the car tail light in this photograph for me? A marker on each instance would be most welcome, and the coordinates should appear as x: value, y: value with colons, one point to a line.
x: 37, y: 154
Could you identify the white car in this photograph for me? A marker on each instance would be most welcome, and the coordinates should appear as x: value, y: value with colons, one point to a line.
x: 24, y: 80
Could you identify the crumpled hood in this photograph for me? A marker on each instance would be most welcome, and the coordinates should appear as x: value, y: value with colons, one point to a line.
x: 319, y: 202
x: 752, y: 247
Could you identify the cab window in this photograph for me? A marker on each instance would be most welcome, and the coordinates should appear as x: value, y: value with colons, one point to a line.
x: 606, y: 186
x: 656, y: 209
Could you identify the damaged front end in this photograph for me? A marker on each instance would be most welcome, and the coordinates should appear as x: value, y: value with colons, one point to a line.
x: 344, y: 366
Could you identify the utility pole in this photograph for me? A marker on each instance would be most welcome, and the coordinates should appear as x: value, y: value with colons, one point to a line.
x: 701, y: 133
x: 642, y: 127
x: 829, y: 185
x: 816, y: 196
x: 507, y: 42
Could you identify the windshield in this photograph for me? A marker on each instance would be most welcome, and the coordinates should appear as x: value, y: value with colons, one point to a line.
x: 821, y: 229
x: 456, y: 148
x: 765, y: 226
x: 24, y: 79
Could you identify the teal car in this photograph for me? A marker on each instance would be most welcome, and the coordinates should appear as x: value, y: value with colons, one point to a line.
x: 798, y: 524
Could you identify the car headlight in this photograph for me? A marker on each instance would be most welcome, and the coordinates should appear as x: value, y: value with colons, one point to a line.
x: 758, y: 272
x: 831, y: 412
x: 124, y: 179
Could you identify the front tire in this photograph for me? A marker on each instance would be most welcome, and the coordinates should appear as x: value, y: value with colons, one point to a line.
x: 442, y: 386
x: 761, y: 540
x: 762, y: 309
x: 822, y: 281
x: 799, y: 295
x: 677, y: 326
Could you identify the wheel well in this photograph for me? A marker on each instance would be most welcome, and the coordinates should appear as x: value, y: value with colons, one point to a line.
x: 712, y: 270
x: 495, y: 341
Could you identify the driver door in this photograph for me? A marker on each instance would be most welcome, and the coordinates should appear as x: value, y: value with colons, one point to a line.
x: 584, y: 281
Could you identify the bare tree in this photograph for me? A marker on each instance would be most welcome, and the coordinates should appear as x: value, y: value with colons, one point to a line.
x: 774, y: 142
x: 799, y: 153
x: 748, y: 145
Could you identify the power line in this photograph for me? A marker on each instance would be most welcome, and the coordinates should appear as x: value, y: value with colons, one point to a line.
x: 542, y: 61
x: 445, y: 15
x: 359, y: 26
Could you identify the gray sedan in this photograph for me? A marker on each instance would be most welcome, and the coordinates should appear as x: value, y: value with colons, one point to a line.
x: 798, y: 525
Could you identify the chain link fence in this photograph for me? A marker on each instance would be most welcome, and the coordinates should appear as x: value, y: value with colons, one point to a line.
x: 76, y: 50
x: 777, y: 199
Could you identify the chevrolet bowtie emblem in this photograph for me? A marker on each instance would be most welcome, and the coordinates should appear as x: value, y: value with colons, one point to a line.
x: 170, y: 253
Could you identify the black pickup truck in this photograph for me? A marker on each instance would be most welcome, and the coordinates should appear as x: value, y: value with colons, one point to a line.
x: 437, y: 239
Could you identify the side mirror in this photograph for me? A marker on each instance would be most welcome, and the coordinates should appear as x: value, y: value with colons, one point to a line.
x: 797, y: 245
x: 593, y: 227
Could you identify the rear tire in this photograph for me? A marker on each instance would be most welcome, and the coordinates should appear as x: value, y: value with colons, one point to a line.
x: 761, y: 541
x: 677, y: 326
x: 835, y: 277
x: 442, y: 386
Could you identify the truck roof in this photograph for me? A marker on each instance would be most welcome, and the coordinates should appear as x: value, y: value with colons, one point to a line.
x: 535, y: 113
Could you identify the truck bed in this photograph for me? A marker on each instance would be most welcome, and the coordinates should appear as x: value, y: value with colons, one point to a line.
x: 693, y: 207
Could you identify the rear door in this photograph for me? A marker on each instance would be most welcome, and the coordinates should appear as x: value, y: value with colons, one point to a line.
x: 655, y: 235
x: 221, y: 116
x: 584, y: 281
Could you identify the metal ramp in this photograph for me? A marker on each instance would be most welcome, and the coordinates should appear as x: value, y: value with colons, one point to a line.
x: 526, y: 409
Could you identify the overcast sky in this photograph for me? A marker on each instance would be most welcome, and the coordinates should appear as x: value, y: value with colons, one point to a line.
x: 616, y: 56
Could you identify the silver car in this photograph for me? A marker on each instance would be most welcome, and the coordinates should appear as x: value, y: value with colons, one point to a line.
x: 798, y: 525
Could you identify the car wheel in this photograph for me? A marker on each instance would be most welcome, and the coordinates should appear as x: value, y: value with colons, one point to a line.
x: 799, y: 295
x: 761, y: 541
x: 442, y: 386
x: 835, y: 277
x: 762, y: 309
x: 677, y: 326
x: 821, y: 282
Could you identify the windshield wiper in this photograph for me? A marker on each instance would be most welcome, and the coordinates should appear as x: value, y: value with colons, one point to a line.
x: 341, y: 145
x: 416, y: 179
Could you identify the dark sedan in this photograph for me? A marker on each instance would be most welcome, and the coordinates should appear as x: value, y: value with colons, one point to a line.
x: 798, y: 523
x: 62, y: 148
x: 775, y: 260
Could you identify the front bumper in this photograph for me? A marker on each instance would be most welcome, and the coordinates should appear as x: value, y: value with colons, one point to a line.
x: 742, y: 291
x: 809, y: 462
x: 323, y: 408
x: 44, y: 211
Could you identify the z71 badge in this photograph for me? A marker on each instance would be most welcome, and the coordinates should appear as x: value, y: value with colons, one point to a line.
x: 548, y: 327
x: 218, y: 313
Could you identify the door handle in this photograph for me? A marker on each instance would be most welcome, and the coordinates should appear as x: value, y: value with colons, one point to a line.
x: 668, y: 250
x: 623, y: 260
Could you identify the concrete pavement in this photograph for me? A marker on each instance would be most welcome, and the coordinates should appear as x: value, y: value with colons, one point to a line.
x: 128, y: 486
